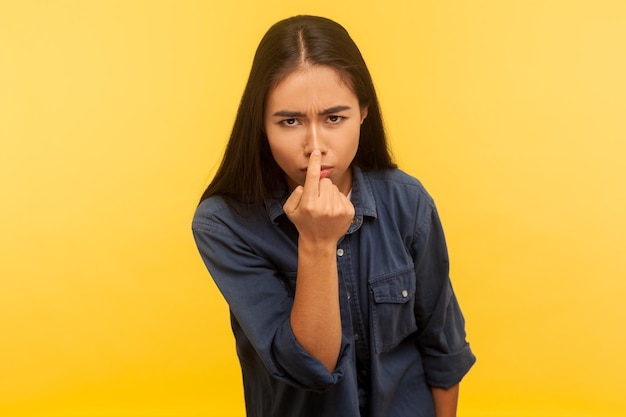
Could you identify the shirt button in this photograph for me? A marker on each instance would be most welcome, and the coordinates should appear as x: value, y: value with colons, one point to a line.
x: 405, y: 293
x: 349, y: 296
x: 356, y: 336
x: 339, y: 252
x: 355, y: 220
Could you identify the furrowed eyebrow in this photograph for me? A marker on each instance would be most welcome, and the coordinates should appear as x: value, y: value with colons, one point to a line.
x: 286, y: 113
x: 335, y: 109
x: 331, y: 110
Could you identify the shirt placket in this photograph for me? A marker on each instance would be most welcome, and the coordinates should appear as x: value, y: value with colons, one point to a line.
x: 349, y: 271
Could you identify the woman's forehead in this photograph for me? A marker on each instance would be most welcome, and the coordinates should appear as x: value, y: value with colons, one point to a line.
x: 321, y: 85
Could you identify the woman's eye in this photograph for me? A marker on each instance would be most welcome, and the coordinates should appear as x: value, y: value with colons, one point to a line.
x: 289, y: 122
x: 335, y: 119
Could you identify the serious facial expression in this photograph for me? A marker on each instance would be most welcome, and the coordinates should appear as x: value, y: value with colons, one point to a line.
x: 312, y: 108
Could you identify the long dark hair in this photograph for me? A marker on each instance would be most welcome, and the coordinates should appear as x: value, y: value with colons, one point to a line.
x: 248, y: 172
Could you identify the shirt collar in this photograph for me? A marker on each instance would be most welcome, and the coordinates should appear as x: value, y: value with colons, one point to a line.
x: 362, y: 198
x: 362, y: 195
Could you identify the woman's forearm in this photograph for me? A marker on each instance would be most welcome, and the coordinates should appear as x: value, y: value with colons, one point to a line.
x: 315, y: 315
x: 445, y: 400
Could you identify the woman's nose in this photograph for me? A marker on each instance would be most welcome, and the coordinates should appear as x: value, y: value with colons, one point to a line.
x: 313, y: 140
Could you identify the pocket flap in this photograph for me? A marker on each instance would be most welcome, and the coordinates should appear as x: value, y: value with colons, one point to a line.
x: 399, y: 288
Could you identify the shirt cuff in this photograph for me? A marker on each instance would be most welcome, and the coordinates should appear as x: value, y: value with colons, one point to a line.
x: 445, y: 371
x: 301, y: 369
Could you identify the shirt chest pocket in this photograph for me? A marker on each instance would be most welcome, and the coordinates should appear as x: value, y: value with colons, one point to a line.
x: 393, y: 317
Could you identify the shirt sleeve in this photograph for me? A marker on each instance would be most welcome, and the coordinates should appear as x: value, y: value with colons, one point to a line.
x: 441, y: 326
x: 260, y: 302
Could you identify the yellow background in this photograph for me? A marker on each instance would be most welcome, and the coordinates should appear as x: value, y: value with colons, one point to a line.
x: 113, y: 115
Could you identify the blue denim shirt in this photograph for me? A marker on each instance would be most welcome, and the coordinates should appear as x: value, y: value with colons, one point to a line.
x: 403, y: 331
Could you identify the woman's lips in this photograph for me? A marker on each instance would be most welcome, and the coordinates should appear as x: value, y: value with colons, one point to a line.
x: 325, y: 171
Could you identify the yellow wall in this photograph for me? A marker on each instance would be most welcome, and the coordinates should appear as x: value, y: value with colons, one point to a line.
x: 113, y: 115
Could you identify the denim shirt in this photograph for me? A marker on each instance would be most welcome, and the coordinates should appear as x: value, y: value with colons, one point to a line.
x: 403, y: 331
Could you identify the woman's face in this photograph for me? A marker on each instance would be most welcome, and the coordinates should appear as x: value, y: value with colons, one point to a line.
x: 312, y: 108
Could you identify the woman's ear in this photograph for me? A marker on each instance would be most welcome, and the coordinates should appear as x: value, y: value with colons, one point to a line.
x: 363, y: 114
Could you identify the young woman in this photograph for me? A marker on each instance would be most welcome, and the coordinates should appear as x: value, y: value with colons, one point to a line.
x: 332, y: 260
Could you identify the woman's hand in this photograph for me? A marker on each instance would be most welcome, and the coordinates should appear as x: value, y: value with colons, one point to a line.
x: 320, y: 212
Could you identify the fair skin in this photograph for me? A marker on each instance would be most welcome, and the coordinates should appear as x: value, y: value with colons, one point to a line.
x: 312, y: 122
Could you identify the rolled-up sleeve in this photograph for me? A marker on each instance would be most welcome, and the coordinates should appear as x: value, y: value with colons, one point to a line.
x: 446, y: 354
x: 260, y: 302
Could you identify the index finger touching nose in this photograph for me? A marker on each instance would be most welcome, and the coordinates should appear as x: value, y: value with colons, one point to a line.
x: 312, y: 180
